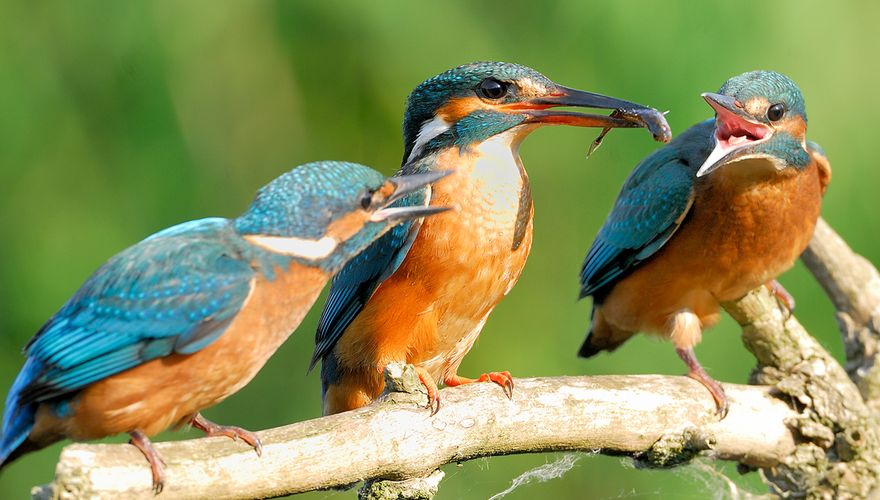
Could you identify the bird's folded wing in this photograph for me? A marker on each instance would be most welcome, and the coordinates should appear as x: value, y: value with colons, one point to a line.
x: 355, y: 284
x: 652, y: 204
x: 175, y: 292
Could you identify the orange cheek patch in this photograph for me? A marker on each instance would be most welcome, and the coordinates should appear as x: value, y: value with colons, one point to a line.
x: 343, y: 228
x: 458, y: 108
x: 795, y: 126
x: 386, y: 189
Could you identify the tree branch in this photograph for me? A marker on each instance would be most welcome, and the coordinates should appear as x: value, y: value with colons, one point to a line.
x: 810, y: 429
x: 853, y: 285
x: 662, y: 420
x: 838, y: 454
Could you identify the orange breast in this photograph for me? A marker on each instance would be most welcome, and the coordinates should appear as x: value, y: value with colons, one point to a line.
x: 169, y: 391
x: 461, y: 265
x: 740, y: 234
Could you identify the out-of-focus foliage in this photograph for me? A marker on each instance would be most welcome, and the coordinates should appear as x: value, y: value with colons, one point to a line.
x: 120, y: 118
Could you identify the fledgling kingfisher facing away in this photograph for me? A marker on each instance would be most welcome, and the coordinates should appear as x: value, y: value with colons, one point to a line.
x: 188, y: 316
x: 422, y: 293
x: 725, y: 207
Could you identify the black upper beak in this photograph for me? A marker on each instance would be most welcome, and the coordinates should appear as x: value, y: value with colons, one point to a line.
x: 573, y: 97
x: 626, y: 114
x: 410, y: 183
x: 404, y: 185
x: 721, y: 102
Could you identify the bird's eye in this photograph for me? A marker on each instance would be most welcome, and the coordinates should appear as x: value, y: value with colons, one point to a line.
x: 367, y: 199
x: 775, y: 112
x: 493, y: 89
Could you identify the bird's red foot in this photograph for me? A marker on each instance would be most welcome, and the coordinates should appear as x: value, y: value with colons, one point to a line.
x: 157, y: 465
x: 235, y: 433
x: 696, y: 372
x: 431, y: 387
x: 781, y: 294
x: 504, y: 379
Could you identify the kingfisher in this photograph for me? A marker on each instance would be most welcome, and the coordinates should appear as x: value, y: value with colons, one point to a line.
x: 423, y: 292
x: 724, y: 208
x: 188, y: 316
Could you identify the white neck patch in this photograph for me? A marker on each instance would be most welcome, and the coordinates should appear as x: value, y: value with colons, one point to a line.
x: 429, y: 130
x: 295, y: 247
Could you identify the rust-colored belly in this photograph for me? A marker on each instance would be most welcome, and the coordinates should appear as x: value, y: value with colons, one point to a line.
x: 738, y: 236
x: 460, y: 266
x: 169, y: 391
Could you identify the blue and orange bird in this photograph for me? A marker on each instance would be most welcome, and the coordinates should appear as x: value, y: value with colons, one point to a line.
x: 422, y: 293
x: 188, y: 316
x: 727, y: 206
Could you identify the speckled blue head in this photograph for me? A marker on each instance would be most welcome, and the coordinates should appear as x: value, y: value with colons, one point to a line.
x: 304, y: 201
x: 327, y: 212
x: 766, y: 86
x: 474, y: 102
x: 759, y: 114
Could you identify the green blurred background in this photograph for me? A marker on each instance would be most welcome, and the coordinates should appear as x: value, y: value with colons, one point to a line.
x: 118, y: 119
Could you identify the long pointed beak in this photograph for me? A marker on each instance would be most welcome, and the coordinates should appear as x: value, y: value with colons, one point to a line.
x: 627, y: 114
x: 410, y: 183
x: 724, y: 103
x: 734, y: 130
x: 404, y: 185
x: 406, y: 213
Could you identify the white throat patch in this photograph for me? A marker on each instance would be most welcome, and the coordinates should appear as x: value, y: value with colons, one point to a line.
x: 295, y: 247
x: 429, y: 130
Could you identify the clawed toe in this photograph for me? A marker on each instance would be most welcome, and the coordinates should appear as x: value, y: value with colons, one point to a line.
x: 157, y: 464
x: 235, y: 433
x: 431, y: 388
x: 504, y: 379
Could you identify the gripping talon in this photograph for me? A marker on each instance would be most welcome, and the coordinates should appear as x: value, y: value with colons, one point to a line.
x: 508, y: 388
x: 781, y: 294
x: 212, y: 429
x: 696, y: 372
x: 504, y: 379
x: 157, y: 464
x: 431, y: 388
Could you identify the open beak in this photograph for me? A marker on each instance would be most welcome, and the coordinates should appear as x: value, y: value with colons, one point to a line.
x: 734, y: 130
x: 626, y: 114
x: 404, y: 185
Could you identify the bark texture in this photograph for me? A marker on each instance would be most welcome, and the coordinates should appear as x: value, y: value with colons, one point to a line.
x: 810, y: 426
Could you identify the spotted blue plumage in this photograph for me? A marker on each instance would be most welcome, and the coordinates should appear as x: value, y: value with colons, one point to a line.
x: 655, y: 198
x: 305, y: 200
x: 174, y: 292
x: 178, y: 290
x: 648, y: 210
x: 766, y: 84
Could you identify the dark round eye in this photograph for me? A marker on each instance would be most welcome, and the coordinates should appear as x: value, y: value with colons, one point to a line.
x: 775, y: 112
x: 367, y: 199
x: 493, y: 89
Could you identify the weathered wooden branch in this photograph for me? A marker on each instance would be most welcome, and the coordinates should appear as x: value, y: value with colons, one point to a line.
x: 838, y: 454
x: 854, y: 287
x: 838, y: 445
x: 809, y: 429
x: 662, y: 420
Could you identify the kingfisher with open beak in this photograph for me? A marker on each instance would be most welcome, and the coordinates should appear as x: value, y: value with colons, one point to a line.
x: 188, y: 316
x: 727, y: 206
x: 422, y: 293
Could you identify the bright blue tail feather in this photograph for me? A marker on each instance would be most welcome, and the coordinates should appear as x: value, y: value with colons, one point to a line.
x: 18, y: 419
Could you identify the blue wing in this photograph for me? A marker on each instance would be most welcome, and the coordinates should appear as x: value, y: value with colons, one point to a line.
x: 174, y: 292
x: 651, y: 206
x: 355, y: 284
